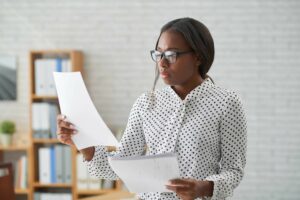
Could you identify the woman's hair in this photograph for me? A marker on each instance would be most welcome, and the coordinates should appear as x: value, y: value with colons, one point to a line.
x: 199, y: 39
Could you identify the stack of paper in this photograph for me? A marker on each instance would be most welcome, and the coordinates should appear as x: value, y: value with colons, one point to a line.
x: 146, y: 173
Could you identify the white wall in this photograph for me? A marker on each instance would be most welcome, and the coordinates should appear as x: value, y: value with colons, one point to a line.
x: 257, y: 54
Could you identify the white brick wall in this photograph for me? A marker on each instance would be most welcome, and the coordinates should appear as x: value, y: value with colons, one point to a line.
x: 257, y: 55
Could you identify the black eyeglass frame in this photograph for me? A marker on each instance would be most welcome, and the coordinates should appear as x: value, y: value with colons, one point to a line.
x: 163, y: 54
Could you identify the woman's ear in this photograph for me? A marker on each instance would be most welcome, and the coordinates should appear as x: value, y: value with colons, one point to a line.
x: 198, y: 60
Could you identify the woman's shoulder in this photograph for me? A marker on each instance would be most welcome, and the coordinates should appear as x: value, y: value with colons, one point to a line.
x: 223, y: 94
x: 222, y: 91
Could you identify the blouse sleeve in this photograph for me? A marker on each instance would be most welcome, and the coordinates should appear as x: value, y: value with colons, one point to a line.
x: 132, y: 143
x: 233, y: 130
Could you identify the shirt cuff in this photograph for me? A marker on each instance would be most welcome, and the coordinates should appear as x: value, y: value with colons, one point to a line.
x: 99, y: 150
x: 217, y: 194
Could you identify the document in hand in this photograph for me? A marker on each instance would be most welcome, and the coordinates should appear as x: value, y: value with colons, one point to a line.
x: 146, y: 173
x: 76, y: 104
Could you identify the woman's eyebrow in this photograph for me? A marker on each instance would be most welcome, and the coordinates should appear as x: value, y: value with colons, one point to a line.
x: 168, y: 49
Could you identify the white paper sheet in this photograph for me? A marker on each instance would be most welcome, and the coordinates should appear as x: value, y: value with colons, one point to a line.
x: 77, y: 105
x: 146, y: 173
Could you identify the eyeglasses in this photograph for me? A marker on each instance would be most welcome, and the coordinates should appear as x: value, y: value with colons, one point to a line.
x: 170, y: 56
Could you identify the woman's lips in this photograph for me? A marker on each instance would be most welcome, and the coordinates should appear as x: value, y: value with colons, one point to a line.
x: 164, y: 74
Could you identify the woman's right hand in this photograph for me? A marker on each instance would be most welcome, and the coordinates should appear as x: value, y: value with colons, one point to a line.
x: 65, y: 130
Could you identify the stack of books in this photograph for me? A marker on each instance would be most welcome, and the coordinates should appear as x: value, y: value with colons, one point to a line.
x: 20, y: 173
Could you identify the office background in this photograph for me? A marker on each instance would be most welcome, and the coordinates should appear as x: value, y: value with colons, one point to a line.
x: 257, y: 54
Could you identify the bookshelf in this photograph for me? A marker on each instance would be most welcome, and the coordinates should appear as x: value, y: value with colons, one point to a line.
x: 20, y: 150
x: 41, y: 94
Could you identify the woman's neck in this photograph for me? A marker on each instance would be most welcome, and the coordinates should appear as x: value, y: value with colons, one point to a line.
x: 184, y: 89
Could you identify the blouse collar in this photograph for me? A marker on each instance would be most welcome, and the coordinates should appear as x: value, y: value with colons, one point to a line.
x: 197, y: 92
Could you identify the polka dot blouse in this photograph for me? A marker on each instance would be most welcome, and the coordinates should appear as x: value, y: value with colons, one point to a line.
x: 207, y: 130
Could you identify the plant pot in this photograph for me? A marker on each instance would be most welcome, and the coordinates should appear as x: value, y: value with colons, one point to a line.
x: 6, y: 139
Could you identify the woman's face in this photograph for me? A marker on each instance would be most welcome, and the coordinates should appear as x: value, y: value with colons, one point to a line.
x: 185, y: 70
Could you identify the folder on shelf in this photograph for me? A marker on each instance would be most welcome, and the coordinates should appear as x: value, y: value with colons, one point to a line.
x: 107, y: 184
x: 146, y: 173
x: 39, y: 77
x: 53, y: 161
x: 52, y: 196
x: 52, y: 117
x: 45, y: 119
x: 67, y: 175
x: 66, y: 65
x: 59, y: 163
x: 51, y: 67
x: 44, y: 165
x: 94, y: 183
x: 82, y: 173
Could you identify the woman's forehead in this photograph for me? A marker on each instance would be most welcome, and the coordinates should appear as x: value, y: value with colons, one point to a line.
x: 172, y: 40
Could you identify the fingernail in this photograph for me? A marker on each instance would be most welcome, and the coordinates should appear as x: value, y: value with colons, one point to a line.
x: 75, y: 132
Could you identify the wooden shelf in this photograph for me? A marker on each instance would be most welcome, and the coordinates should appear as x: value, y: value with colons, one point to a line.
x: 52, y: 185
x: 21, y: 191
x: 14, y: 148
x: 45, y: 141
x: 35, y: 97
x: 95, y: 192
x: 53, y: 51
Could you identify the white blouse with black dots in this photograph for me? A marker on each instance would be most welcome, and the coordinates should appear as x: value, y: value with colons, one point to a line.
x: 207, y: 130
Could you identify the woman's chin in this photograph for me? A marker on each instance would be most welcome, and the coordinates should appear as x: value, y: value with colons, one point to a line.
x: 167, y: 81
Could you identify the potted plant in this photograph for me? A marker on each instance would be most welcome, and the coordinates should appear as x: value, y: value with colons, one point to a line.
x: 7, y: 128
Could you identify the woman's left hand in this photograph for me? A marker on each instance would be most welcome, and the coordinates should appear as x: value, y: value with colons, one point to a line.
x: 190, y: 189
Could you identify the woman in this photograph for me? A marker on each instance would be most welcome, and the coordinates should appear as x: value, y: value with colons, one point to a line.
x: 203, y: 123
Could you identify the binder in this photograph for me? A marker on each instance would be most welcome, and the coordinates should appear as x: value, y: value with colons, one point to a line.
x: 82, y: 173
x: 59, y: 163
x: 67, y: 176
x: 53, y: 165
x: 44, y: 165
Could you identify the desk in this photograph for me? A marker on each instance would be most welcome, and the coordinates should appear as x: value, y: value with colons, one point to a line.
x: 112, y: 196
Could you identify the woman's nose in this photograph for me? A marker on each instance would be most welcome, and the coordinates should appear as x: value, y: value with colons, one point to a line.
x: 163, y: 63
